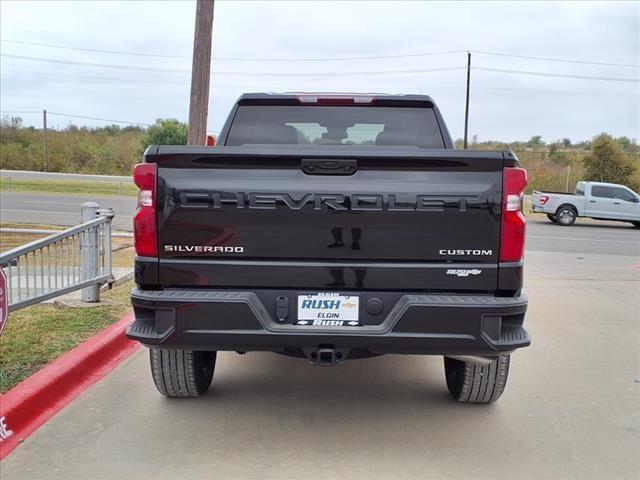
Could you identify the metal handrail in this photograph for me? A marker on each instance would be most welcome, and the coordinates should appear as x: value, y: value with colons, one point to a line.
x: 6, y: 257
x: 78, y: 258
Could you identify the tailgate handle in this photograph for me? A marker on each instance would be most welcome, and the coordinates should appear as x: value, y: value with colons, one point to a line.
x: 318, y: 166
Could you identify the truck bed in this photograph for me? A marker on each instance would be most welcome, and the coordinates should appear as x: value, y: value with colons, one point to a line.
x: 543, y: 192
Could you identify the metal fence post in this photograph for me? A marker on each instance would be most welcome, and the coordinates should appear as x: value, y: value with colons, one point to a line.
x: 106, y: 242
x: 89, y: 253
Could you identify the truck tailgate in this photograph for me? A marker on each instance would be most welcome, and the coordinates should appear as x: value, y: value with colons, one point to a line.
x: 310, y: 218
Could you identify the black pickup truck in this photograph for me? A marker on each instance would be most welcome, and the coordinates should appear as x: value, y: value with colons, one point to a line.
x: 331, y: 228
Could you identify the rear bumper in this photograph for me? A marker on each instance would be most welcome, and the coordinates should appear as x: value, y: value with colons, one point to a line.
x: 417, y: 324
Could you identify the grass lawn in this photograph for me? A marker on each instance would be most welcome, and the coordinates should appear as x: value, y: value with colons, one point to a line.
x: 36, y: 335
x: 68, y: 186
x: 40, y: 226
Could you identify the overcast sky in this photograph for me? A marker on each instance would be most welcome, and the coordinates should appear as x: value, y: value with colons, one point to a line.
x: 505, y: 106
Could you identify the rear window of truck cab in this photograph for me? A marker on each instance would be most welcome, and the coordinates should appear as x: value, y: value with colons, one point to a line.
x: 335, y: 125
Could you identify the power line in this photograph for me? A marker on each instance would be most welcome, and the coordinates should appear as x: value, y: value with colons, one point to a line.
x: 94, y: 50
x: 20, y: 111
x: 97, y: 118
x: 100, y: 65
x: 251, y: 74
x: 324, y: 59
x: 77, y: 116
x: 556, y: 92
x: 558, y: 75
x: 128, y: 80
x: 326, y: 74
x: 221, y: 85
x: 340, y: 59
x: 562, y: 60
x: 238, y: 59
x: 109, y: 79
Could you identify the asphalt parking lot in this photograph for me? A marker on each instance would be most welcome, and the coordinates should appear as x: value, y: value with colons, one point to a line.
x: 571, y: 408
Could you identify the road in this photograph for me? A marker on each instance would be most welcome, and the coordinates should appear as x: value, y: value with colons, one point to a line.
x: 62, y: 209
x: 30, y: 175
x: 570, y: 409
x: 586, y: 236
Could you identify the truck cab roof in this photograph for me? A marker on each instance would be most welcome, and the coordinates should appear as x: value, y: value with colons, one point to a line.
x: 363, y: 97
x: 604, y: 184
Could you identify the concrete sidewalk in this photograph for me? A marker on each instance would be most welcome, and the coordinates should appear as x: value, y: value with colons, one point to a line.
x: 570, y: 410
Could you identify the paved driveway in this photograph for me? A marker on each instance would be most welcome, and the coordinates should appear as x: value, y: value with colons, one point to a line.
x: 571, y: 408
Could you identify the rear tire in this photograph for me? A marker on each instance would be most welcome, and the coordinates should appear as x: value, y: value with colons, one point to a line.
x: 566, y: 215
x: 475, y: 383
x: 552, y: 218
x: 182, y: 373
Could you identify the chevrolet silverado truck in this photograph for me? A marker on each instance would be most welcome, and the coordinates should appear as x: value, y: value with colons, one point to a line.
x: 598, y: 200
x: 331, y: 228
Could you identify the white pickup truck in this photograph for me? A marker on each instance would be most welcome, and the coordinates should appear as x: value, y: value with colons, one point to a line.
x: 600, y: 201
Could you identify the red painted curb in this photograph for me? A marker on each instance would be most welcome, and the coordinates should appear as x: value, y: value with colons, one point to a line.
x: 36, y: 399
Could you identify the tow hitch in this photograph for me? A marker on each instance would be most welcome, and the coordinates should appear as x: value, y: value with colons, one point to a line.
x: 326, y: 355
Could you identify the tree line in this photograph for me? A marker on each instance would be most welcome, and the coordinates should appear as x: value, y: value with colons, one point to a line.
x: 114, y: 150
x: 109, y: 150
x: 560, y: 164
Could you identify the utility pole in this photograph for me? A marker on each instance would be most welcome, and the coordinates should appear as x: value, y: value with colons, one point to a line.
x: 44, y: 138
x: 200, y: 73
x: 466, y: 109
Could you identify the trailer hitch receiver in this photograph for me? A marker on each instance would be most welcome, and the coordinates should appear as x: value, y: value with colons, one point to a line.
x: 326, y: 355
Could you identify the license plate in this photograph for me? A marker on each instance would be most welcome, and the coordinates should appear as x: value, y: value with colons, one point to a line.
x: 328, y: 310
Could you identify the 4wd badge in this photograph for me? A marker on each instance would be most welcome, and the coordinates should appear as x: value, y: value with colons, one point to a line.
x: 463, y: 272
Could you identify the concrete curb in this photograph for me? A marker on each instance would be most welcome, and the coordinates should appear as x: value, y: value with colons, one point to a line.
x: 32, y: 402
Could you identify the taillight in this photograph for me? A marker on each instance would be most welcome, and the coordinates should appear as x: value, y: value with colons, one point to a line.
x: 514, y: 181
x: 327, y: 99
x: 145, y: 231
x: 543, y: 199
